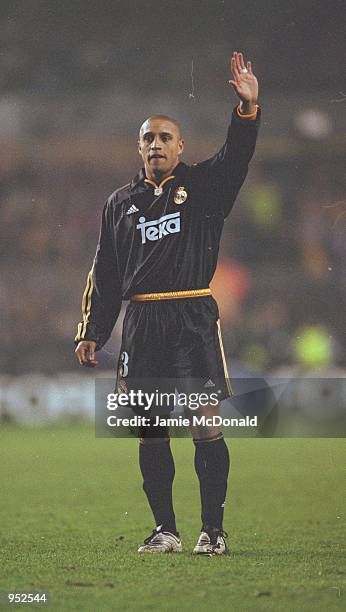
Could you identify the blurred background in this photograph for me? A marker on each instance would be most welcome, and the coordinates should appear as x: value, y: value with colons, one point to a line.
x: 77, y: 80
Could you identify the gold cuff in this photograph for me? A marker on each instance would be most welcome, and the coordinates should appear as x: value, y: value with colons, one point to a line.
x: 249, y: 116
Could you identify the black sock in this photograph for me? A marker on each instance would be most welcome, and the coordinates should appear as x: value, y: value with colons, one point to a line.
x: 212, y: 467
x: 157, y: 467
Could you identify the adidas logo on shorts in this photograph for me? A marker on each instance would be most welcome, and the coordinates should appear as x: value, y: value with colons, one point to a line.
x: 209, y: 383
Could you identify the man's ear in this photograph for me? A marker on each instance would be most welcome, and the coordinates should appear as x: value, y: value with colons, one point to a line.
x: 181, y: 146
x: 139, y: 147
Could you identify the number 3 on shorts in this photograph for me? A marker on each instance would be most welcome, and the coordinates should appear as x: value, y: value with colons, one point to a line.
x: 124, y: 368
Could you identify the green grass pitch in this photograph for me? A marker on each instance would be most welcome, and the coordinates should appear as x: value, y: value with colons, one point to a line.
x: 73, y: 514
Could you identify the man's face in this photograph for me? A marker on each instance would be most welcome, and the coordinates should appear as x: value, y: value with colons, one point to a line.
x: 159, y: 145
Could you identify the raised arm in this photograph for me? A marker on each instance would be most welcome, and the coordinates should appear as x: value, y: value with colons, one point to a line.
x: 222, y: 175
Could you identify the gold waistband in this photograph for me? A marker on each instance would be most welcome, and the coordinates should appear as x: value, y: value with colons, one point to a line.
x: 170, y: 295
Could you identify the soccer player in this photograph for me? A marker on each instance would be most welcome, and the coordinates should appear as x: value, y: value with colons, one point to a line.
x: 158, y: 248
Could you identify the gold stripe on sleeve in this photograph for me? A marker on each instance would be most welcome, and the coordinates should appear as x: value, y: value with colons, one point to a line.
x: 79, y: 329
x: 86, y: 305
x: 87, y: 302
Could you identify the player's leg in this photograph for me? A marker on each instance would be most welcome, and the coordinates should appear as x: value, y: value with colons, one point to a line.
x: 157, y: 467
x: 212, y: 464
x: 138, y: 366
x: 201, y: 362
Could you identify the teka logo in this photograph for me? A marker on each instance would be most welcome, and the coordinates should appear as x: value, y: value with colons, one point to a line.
x: 154, y: 230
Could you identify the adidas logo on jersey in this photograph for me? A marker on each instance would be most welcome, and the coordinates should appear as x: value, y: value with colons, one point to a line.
x: 132, y: 209
x: 209, y: 383
x: 154, y: 230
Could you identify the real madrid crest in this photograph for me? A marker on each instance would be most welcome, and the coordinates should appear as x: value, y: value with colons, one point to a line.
x: 180, y: 195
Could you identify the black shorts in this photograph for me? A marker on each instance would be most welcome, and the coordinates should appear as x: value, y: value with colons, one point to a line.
x: 175, y: 341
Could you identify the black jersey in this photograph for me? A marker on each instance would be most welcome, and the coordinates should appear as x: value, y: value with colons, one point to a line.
x: 159, y: 239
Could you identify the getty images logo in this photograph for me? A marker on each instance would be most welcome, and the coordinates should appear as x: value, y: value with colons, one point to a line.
x: 154, y: 230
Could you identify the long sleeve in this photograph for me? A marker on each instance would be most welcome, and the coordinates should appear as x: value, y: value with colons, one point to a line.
x: 223, y: 174
x: 102, y: 296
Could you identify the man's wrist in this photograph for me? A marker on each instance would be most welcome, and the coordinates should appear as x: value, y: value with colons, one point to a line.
x: 247, y: 108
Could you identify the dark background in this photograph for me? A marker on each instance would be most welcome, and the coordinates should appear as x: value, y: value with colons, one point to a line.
x: 77, y: 80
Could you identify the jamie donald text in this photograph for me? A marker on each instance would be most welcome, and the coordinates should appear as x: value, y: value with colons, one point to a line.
x: 181, y: 421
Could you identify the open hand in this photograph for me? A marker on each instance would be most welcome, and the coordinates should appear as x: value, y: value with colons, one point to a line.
x: 244, y: 81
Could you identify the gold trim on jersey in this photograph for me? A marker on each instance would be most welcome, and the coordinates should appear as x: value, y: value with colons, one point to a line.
x: 170, y: 295
x: 158, y: 189
x: 86, y: 306
x: 225, y: 369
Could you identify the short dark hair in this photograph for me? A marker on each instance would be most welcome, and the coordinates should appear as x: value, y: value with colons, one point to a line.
x: 164, y: 118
